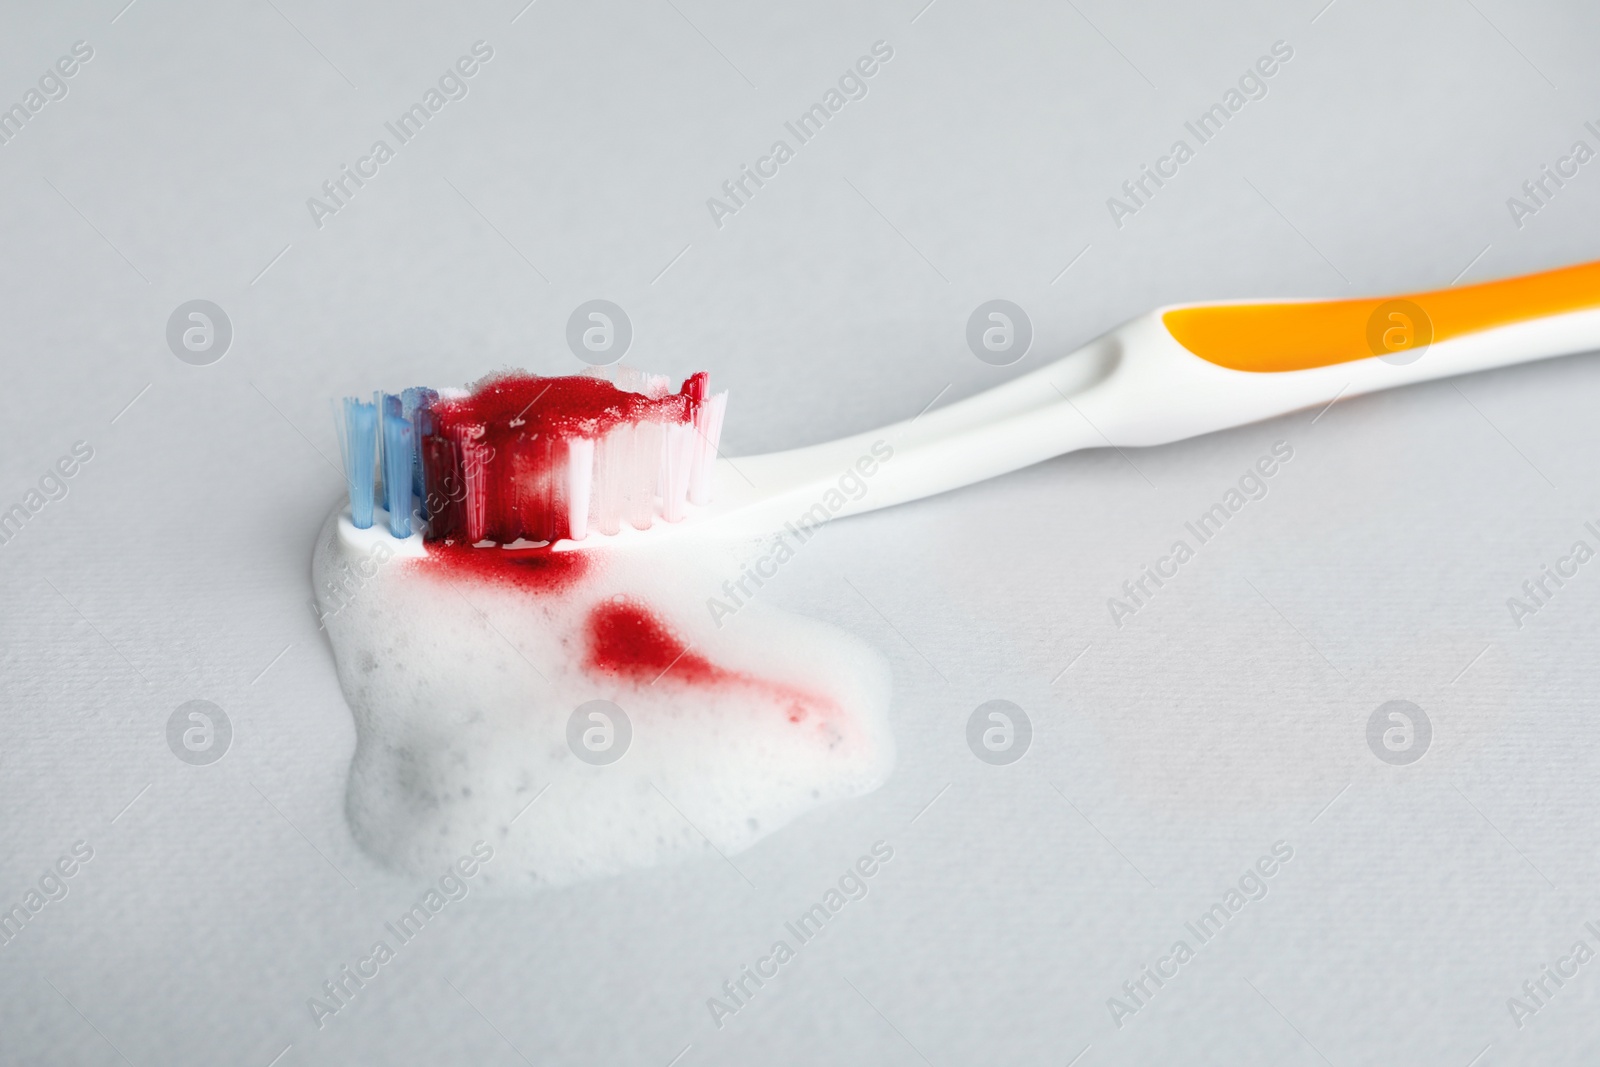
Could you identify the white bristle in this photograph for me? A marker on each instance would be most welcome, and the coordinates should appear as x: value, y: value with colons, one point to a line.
x: 634, y: 472
x: 643, y: 470
x: 708, y: 431
x: 611, y: 460
x: 580, y: 481
x: 677, y: 464
x: 633, y: 380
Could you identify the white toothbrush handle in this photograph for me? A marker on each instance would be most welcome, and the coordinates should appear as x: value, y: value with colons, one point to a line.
x: 1174, y: 373
x: 1166, y: 393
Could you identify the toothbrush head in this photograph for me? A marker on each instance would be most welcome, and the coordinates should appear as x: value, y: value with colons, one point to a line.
x: 520, y: 459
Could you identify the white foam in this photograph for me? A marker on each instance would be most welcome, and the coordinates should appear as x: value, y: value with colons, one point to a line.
x: 462, y: 690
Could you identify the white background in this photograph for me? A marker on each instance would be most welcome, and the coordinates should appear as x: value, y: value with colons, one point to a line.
x: 1228, y: 714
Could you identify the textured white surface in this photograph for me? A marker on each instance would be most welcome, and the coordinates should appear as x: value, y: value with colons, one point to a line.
x: 1226, y: 715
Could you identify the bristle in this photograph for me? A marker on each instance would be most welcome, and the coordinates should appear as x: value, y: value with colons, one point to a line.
x: 495, y: 465
x: 418, y: 403
x: 442, y: 489
x: 358, y: 446
x: 633, y: 380
x: 643, y: 472
x: 708, y: 431
x: 398, y: 460
x: 611, y: 459
x: 580, y: 482
x: 677, y: 466
x: 474, y: 482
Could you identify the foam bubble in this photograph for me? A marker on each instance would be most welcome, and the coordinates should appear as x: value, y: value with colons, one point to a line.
x: 463, y: 673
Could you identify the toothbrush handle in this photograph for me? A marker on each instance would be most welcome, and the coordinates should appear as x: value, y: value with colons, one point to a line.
x: 1190, y: 370
x: 1289, y: 336
x: 1176, y: 373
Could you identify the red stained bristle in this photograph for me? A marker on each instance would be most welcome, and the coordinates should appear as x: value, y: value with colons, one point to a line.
x: 697, y: 386
x: 626, y: 639
x: 578, y: 406
x: 444, y: 491
x: 537, y: 570
x: 495, y: 464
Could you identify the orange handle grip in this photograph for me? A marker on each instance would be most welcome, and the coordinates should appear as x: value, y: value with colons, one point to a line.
x: 1318, y: 333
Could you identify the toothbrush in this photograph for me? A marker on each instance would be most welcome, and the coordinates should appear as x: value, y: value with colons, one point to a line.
x: 1176, y: 372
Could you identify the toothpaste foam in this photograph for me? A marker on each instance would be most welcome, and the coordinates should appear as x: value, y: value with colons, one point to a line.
x: 464, y: 666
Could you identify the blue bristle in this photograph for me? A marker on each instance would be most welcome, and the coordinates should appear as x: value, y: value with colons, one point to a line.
x: 417, y: 404
x: 398, y: 452
x: 358, y: 441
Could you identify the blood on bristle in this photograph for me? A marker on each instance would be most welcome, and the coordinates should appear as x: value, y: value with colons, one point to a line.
x: 495, y: 461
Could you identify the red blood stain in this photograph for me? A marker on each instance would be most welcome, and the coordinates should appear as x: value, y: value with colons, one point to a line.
x: 625, y: 639
x: 578, y: 406
x: 536, y: 570
x: 495, y: 461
